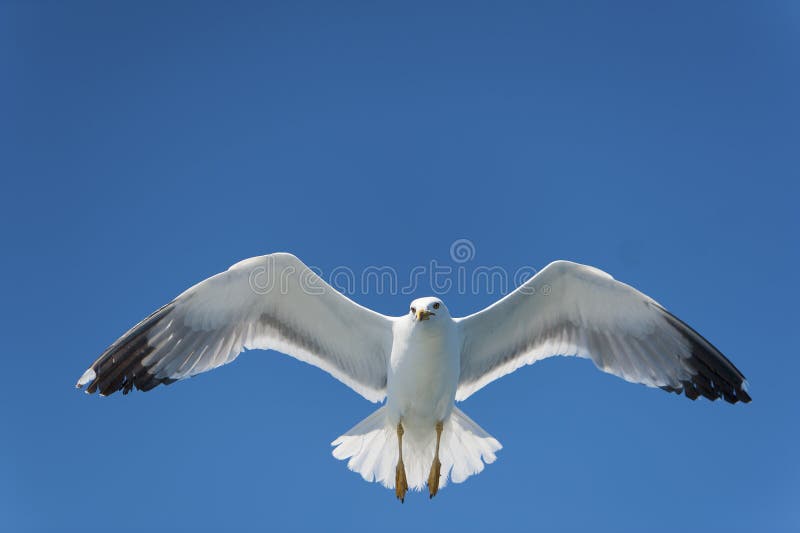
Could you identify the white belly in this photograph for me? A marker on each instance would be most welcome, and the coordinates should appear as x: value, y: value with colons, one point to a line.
x: 423, y: 374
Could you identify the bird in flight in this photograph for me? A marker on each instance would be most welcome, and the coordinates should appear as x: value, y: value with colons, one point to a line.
x: 421, y: 362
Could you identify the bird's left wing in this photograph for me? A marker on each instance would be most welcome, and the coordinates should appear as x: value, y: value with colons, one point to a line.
x: 572, y: 309
x: 269, y: 302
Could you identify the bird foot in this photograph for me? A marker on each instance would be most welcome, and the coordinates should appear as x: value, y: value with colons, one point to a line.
x: 433, y: 478
x: 400, y: 482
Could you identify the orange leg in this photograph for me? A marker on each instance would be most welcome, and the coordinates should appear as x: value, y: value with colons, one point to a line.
x: 436, y: 467
x: 400, y: 481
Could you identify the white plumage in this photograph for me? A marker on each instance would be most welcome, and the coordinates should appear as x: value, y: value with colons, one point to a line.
x: 420, y: 362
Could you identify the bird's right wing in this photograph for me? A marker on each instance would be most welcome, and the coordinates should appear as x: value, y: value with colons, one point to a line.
x: 269, y: 302
x: 572, y: 309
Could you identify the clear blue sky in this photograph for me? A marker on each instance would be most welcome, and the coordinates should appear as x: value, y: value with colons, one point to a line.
x: 149, y: 145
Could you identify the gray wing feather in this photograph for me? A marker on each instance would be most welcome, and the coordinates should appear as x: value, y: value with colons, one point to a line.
x: 584, y: 312
x: 211, y: 323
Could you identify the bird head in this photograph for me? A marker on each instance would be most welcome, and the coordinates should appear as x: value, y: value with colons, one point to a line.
x: 428, y: 308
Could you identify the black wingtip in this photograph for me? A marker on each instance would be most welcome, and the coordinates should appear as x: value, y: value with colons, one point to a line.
x: 121, y: 367
x: 713, y: 375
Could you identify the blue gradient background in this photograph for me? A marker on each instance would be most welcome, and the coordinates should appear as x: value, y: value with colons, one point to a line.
x: 148, y: 145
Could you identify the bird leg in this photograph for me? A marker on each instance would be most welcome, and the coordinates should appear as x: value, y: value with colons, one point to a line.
x: 436, y: 467
x: 400, y: 481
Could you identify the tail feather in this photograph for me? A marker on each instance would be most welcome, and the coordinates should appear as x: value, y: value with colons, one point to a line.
x: 476, y: 447
x: 371, y: 447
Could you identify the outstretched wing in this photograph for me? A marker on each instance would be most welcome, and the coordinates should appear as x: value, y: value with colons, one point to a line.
x: 269, y: 302
x: 572, y: 309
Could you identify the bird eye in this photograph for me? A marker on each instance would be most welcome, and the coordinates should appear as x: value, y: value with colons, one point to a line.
x: 436, y: 305
x: 413, y: 311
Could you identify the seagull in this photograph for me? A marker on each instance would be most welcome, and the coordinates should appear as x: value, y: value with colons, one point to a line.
x: 420, y: 363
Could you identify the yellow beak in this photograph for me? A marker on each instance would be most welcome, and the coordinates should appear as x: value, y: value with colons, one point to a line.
x: 423, y: 314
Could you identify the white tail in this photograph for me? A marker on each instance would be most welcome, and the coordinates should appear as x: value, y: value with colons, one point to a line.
x: 372, y: 449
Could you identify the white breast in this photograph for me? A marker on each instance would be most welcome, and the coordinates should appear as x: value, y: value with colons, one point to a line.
x: 423, y: 371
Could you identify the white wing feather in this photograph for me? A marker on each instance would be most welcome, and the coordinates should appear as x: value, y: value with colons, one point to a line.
x: 572, y: 309
x: 269, y: 302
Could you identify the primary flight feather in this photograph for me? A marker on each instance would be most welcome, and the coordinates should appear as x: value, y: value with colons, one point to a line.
x: 422, y: 362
